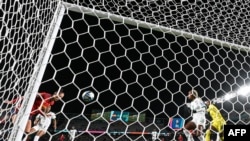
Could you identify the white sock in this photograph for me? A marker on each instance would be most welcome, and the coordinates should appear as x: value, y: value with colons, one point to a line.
x: 36, y: 138
x: 217, y: 137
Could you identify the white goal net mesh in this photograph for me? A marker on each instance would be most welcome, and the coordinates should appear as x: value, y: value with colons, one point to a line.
x: 139, y: 58
x: 24, y: 26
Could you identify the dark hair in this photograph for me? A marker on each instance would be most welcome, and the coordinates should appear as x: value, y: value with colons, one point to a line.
x: 194, y: 93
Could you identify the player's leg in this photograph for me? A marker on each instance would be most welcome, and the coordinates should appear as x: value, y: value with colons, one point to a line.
x: 28, y: 126
x: 4, y: 118
x: 212, y: 132
x: 221, y: 135
x: 13, y: 114
x: 199, y: 132
x: 199, y: 121
x: 27, y: 130
x: 208, y: 134
x: 39, y: 134
x: 217, y: 127
x: 13, y: 118
x: 221, y: 132
x: 189, y: 126
x: 32, y: 130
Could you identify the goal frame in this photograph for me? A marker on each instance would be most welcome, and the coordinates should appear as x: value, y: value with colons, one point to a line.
x: 36, y: 78
x: 156, y: 27
x: 39, y: 69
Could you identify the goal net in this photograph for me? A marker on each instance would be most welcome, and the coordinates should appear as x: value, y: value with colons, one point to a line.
x: 24, y: 36
x: 139, y: 58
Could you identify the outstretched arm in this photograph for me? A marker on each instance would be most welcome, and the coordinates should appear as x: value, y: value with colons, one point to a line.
x: 13, y: 101
x: 54, y: 124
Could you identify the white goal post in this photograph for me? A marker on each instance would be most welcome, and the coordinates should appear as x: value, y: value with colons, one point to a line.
x: 131, y: 65
x: 36, y: 78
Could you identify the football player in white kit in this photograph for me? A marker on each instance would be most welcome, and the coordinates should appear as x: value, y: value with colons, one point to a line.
x: 41, y: 124
x: 72, y: 133
x: 154, y: 135
x: 198, y: 122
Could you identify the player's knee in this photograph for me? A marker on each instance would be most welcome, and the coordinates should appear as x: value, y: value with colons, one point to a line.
x: 208, y: 132
x: 27, y: 130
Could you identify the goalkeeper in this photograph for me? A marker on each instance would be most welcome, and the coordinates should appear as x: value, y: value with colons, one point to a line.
x: 217, y: 123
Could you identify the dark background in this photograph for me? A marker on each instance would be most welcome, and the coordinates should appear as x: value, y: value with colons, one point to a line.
x: 136, y: 69
x: 129, y: 68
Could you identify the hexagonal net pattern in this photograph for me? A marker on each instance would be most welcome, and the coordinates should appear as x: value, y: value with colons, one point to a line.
x: 218, y: 19
x: 23, y: 29
x: 140, y: 74
x: 139, y: 71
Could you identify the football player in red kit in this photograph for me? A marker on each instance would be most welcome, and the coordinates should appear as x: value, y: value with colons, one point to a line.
x: 42, y: 104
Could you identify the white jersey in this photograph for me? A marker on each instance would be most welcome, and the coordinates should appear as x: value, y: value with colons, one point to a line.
x: 198, y: 108
x: 72, y: 134
x: 198, y: 105
x: 44, y: 121
x: 154, y: 135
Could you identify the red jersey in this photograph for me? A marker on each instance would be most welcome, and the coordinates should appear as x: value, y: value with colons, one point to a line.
x: 42, y: 100
x: 17, y: 102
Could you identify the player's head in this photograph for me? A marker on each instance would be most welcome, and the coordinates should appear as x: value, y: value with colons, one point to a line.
x: 58, y: 95
x: 192, y: 94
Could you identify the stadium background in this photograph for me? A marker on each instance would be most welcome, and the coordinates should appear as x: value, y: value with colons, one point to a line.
x: 149, y: 74
x: 115, y: 73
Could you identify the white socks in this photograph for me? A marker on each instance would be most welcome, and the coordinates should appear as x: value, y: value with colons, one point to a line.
x: 36, y: 138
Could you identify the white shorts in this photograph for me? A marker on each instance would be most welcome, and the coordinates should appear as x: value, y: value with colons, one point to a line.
x: 199, y: 118
x: 41, y: 128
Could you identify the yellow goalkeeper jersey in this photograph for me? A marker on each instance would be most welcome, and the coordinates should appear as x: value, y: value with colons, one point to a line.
x: 215, y: 113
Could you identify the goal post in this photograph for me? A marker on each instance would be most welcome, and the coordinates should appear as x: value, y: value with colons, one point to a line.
x: 36, y: 78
